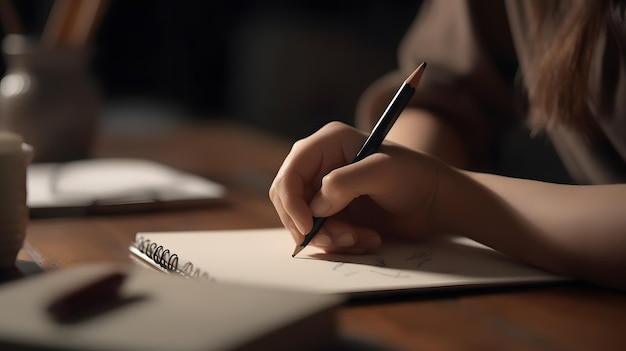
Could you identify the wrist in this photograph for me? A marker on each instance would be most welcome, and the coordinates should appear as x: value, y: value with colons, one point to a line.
x: 463, y: 206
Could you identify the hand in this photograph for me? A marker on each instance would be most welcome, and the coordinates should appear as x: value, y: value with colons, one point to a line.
x: 389, y: 192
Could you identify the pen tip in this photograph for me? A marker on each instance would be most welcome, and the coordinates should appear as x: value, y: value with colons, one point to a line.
x: 297, y: 250
x: 414, y: 79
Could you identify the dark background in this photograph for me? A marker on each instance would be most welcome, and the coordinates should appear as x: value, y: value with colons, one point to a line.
x: 285, y: 66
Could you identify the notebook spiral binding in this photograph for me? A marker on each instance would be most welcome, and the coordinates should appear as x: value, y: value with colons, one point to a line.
x: 167, y: 260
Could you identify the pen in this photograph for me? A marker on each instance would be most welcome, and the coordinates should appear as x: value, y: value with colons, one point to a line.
x: 376, y: 137
x: 87, y: 298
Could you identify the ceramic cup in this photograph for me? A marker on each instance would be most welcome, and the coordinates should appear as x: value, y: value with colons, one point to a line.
x: 49, y: 97
x: 14, y: 159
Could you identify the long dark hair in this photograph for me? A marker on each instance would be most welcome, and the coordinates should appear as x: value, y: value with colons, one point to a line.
x: 616, y: 24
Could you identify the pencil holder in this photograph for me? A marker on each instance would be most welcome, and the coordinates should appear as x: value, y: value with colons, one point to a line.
x: 14, y: 159
x: 48, y: 97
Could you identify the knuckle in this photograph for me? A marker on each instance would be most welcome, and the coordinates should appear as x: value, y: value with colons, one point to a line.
x: 336, y: 125
x: 272, y: 192
x: 274, y: 189
x: 335, y: 128
x: 298, y: 144
x: 331, y: 130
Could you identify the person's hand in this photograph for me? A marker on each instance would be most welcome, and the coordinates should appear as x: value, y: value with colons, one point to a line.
x: 389, y: 192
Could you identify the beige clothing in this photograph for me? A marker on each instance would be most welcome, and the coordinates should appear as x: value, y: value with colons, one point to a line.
x: 478, y: 53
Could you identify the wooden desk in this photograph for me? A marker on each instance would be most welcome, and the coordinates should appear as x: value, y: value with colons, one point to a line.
x: 571, y: 317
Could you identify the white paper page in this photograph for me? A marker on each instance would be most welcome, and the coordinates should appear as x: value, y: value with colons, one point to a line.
x: 83, y: 182
x: 263, y: 257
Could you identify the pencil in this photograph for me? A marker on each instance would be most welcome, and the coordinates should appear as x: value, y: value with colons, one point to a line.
x: 88, y: 298
x: 87, y: 19
x: 376, y: 137
x: 73, y: 22
x: 60, y: 22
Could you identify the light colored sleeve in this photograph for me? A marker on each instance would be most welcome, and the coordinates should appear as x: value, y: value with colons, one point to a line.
x: 468, y: 83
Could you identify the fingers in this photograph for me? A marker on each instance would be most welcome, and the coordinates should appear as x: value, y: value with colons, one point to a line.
x: 317, y: 179
x: 286, y: 220
x: 300, y: 175
x: 289, y: 197
x: 375, y: 175
x: 338, y: 236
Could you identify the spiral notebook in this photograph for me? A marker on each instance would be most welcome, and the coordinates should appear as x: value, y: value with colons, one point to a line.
x: 262, y: 257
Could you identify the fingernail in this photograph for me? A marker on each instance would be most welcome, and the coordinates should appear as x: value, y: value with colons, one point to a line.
x: 321, y: 240
x: 345, y: 240
x: 299, y: 227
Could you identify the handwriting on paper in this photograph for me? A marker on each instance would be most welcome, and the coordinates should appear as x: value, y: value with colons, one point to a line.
x: 398, y: 268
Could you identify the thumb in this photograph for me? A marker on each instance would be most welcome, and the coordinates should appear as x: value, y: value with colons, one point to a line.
x: 342, y: 185
x: 324, y: 206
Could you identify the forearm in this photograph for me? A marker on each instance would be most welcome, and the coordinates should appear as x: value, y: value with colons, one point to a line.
x: 422, y: 131
x: 578, y: 231
x: 415, y: 128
